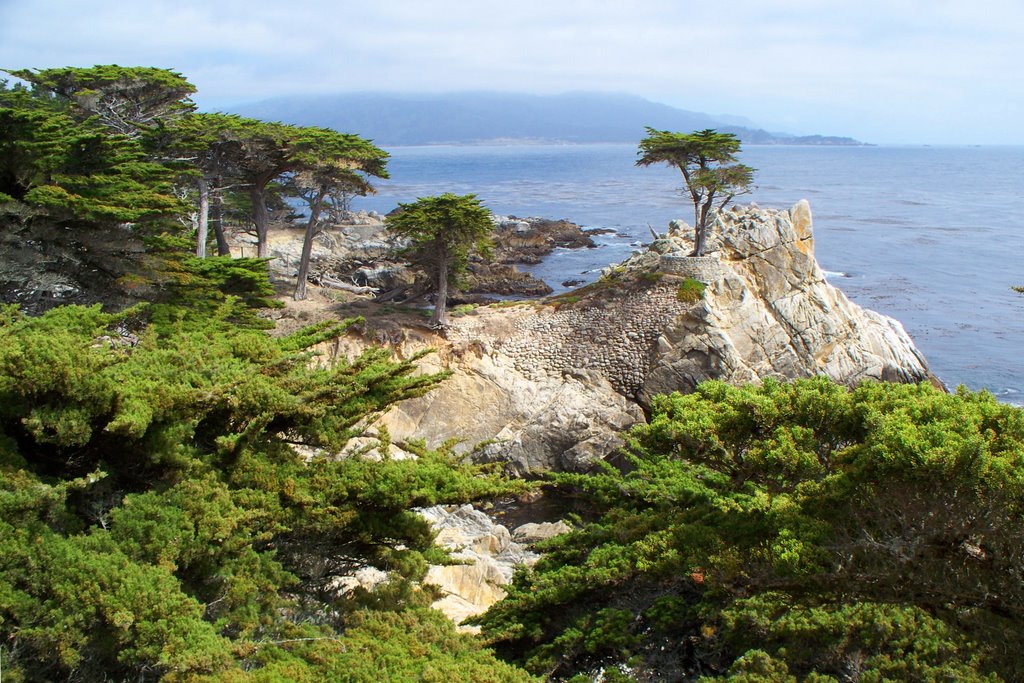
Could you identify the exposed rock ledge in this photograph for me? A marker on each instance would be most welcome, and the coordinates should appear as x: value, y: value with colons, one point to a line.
x: 769, y: 312
x: 551, y: 384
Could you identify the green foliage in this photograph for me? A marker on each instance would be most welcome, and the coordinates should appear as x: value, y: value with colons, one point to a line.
x: 75, y: 171
x: 61, y: 167
x: 190, y: 290
x: 881, y: 641
x: 126, y: 100
x: 567, y: 300
x: 790, y: 532
x: 463, y: 309
x: 443, y: 231
x: 690, y: 291
x: 378, y: 645
x: 158, y: 523
x: 711, y: 175
x: 509, y: 304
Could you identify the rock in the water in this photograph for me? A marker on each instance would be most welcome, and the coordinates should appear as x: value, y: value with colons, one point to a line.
x: 499, y: 278
x: 529, y: 240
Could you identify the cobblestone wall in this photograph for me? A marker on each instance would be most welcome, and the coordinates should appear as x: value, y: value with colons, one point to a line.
x: 617, y: 338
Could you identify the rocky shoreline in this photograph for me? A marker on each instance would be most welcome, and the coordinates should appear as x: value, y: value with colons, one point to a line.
x: 360, y: 253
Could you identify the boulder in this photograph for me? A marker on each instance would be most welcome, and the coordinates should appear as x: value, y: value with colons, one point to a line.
x: 532, y: 423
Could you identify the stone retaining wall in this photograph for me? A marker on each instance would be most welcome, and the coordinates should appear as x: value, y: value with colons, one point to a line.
x: 703, y: 268
x: 616, y: 339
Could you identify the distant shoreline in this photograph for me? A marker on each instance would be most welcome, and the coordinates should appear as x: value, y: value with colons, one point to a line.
x: 537, y: 142
x: 525, y: 142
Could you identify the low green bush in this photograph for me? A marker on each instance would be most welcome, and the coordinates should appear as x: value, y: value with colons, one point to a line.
x: 462, y: 309
x: 652, y: 277
x: 690, y: 291
x: 788, y: 532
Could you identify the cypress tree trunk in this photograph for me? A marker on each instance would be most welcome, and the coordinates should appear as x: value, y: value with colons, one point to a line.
x: 701, y: 231
x: 440, y: 317
x: 307, y: 244
x: 218, y: 219
x: 203, y: 231
x: 260, y: 217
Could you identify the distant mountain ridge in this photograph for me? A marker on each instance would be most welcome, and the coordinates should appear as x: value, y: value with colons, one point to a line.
x: 479, y: 117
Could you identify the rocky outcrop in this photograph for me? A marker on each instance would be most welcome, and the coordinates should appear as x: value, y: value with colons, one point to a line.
x: 768, y: 311
x: 528, y: 240
x: 500, y: 278
x: 487, y: 556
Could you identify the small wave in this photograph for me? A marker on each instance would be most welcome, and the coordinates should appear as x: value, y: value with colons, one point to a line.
x: 883, y: 221
x: 1009, y: 395
x: 835, y: 273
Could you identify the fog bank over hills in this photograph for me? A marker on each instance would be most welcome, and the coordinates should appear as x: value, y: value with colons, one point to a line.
x: 479, y: 117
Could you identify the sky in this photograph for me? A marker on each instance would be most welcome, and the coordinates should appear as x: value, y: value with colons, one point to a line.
x: 882, y: 71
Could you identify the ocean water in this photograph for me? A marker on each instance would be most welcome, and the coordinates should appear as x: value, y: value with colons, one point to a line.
x: 931, y: 236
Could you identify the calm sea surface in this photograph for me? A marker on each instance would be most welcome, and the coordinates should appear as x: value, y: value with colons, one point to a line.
x: 931, y: 236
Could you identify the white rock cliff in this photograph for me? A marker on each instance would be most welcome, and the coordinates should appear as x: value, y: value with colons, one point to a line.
x: 768, y: 311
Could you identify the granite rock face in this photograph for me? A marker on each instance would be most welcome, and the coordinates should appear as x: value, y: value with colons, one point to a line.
x: 768, y: 311
x: 488, y: 553
x: 537, y: 423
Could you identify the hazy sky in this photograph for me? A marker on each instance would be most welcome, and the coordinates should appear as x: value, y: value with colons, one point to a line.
x: 885, y: 71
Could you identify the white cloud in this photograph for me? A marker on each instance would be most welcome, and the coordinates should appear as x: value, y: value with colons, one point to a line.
x: 914, y: 70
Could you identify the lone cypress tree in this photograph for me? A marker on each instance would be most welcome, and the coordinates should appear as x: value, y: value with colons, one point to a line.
x: 707, y: 160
